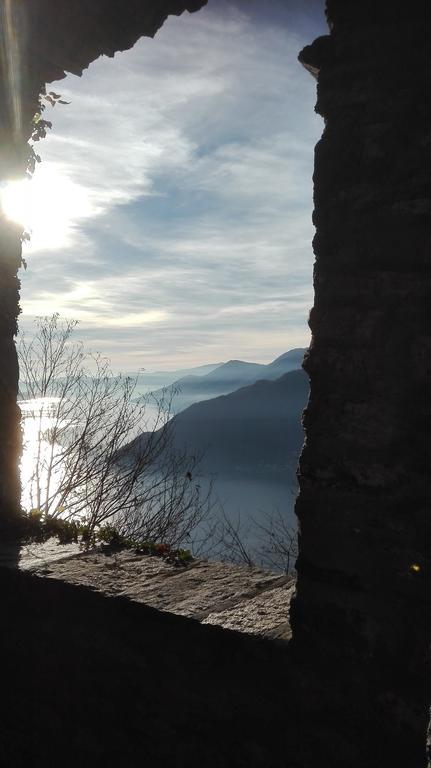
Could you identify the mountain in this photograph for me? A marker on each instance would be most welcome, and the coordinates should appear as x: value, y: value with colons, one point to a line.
x: 228, y: 377
x: 155, y: 380
x: 289, y: 361
x: 256, y: 429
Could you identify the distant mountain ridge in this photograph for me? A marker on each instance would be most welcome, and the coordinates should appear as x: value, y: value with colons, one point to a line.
x: 148, y: 381
x: 255, y: 429
x: 228, y: 377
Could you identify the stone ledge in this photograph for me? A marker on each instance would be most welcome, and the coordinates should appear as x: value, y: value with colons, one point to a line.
x: 240, y: 598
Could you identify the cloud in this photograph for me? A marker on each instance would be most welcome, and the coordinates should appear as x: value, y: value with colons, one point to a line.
x: 191, y: 156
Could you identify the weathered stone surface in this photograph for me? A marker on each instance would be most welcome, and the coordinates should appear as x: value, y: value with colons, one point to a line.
x: 75, y: 33
x: 266, y: 614
x: 93, y: 680
x: 236, y: 597
x: 38, y: 555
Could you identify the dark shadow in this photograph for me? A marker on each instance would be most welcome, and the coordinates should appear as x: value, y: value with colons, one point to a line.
x: 89, y: 680
x: 103, y: 681
x: 9, y: 552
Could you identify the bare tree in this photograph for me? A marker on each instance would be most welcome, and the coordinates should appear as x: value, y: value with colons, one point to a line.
x: 278, y: 541
x: 96, y: 459
x: 232, y: 541
x: 270, y: 542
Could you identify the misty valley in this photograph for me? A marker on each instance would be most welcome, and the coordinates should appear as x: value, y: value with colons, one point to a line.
x: 234, y: 429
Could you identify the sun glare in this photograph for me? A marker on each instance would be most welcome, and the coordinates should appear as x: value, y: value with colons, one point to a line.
x: 48, y: 206
x: 38, y: 418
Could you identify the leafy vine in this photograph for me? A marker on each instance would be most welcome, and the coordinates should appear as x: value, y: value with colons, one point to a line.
x: 39, y: 126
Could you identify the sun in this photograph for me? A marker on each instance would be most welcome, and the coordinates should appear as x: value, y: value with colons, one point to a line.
x: 49, y: 206
x: 15, y: 201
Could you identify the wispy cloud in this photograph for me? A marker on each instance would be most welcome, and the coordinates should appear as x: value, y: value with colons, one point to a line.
x: 193, y: 155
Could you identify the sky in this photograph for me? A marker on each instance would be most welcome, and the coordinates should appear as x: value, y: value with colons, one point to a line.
x: 172, y: 208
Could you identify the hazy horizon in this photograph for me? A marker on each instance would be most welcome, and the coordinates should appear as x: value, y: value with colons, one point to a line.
x: 215, y: 363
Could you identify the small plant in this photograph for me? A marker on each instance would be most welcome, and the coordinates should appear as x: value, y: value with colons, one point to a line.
x: 37, y: 529
x: 109, y: 536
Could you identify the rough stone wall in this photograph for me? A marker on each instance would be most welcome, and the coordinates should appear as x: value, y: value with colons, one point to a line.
x: 91, y: 680
x: 39, y: 42
x: 10, y: 442
x: 361, y: 617
x: 18, y: 103
x: 74, y: 33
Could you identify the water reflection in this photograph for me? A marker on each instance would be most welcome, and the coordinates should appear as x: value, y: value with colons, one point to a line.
x: 40, y: 463
x: 245, y: 500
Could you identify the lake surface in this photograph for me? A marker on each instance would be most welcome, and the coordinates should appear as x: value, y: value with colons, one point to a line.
x: 250, y: 504
x: 254, y: 496
x: 37, y: 419
x: 247, y: 501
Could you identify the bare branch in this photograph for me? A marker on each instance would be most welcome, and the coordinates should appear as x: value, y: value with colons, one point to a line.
x: 96, y: 460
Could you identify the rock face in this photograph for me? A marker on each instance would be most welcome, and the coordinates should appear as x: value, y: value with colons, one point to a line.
x: 361, y: 616
x: 94, y: 680
x: 364, y: 504
x: 10, y: 442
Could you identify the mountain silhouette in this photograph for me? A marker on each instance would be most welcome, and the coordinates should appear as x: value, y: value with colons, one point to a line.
x: 255, y: 429
x: 227, y: 378
x: 148, y: 381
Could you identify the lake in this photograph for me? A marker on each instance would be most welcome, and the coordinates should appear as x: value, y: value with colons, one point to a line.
x: 37, y: 419
x: 248, y: 502
x: 251, y: 504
